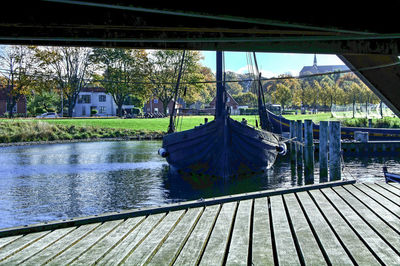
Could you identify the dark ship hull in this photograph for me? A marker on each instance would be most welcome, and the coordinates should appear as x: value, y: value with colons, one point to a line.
x: 222, y: 148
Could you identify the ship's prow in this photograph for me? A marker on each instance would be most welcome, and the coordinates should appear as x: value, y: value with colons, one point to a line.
x: 222, y: 149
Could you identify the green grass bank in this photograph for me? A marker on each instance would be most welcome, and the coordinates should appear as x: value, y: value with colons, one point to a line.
x: 28, y: 130
x: 18, y: 130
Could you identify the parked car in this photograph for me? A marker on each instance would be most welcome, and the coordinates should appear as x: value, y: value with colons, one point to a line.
x: 48, y: 115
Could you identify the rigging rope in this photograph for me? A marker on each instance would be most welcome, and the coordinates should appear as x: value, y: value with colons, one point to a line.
x: 253, y: 85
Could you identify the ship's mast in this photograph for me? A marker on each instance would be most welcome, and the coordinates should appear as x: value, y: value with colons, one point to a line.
x: 171, y: 126
x: 220, y: 98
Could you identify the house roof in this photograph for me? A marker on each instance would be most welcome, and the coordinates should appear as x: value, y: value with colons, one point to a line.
x: 232, y: 101
x: 93, y: 89
x: 322, y: 69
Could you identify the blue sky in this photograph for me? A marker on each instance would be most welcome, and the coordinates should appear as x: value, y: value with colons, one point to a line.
x: 270, y: 64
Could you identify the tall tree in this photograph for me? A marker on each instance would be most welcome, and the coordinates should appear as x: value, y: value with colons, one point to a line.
x: 247, y: 98
x: 70, y: 67
x: 163, y: 70
x: 282, y: 95
x: 17, y: 63
x: 124, y: 73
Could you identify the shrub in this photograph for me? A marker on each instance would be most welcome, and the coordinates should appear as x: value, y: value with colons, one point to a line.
x: 39, y: 110
x: 136, y: 111
x: 386, y: 122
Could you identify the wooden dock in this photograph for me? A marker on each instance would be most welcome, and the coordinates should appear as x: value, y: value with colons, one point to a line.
x: 337, y: 223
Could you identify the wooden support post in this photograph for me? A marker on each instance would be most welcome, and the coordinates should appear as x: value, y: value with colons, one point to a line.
x: 308, y: 152
x: 299, y: 145
x: 292, y: 144
x: 323, y: 151
x: 293, y: 148
x: 334, y: 151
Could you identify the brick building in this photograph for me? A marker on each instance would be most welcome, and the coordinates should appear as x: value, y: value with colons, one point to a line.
x: 20, y: 107
x: 156, y: 106
x: 230, y: 102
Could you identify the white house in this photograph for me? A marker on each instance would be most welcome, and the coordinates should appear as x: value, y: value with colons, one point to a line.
x: 94, y: 98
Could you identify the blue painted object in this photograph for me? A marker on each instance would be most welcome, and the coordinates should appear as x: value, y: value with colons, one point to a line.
x: 390, y: 177
x: 222, y: 148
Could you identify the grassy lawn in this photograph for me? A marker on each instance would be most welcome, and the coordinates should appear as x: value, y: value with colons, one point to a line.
x: 314, y: 117
x: 142, y: 124
x: 20, y: 130
x: 161, y: 124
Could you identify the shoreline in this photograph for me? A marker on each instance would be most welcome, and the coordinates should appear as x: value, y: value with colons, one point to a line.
x: 42, y: 142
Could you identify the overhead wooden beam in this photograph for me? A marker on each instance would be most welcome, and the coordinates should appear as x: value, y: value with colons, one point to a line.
x: 383, y: 81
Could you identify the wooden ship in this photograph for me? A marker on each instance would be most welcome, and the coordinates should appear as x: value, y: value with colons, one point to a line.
x: 223, y: 148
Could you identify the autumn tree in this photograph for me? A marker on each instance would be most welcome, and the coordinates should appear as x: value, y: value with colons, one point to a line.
x: 69, y: 67
x: 162, y: 72
x: 123, y: 73
x: 209, y: 89
x: 247, y: 98
x: 282, y: 95
x: 17, y: 65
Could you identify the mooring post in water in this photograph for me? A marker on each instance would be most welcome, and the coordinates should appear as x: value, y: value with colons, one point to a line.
x: 334, y: 151
x: 299, y: 141
x: 292, y: 144
x: 308, y: 152
x: 323, y: 151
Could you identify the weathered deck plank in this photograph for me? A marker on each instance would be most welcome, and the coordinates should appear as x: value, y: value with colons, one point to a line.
x: 385, y: 215
x: 7, y: 240
x: 38, y: 246
x: 393, y: 189
x: 214, y: 253
x: 307, y: 243
x: 370, y: 217
x: 150, y: 245
x: 331, y: 245
x: 396, y: 185
x: 386, y: 194
x: 388, y: 204
x: 262, y: 251
x: 20, y: 244
x: 239, y: 248
x: 99, y: 250
x: 132, y: 241
x: 285, y: 247
x: 195, y: 245
x: 313, y: 225
x: 60, y: 246
x: 170, y: 249
x: 354, y: 245
x: 370, y: 239
x: 80, y: 247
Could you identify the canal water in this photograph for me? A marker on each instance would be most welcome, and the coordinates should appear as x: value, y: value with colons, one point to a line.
x: 41, y: 183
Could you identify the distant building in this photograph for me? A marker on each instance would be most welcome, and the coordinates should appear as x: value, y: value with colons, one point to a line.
x: 20, y: 106
x: 230, y: 102
x: 94, y: 98
x: 154, y: 106
x: 316, y: 69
